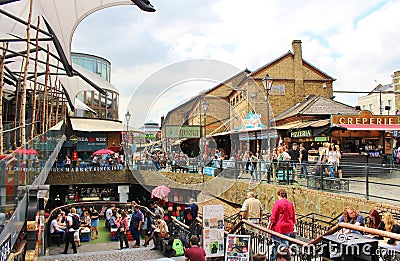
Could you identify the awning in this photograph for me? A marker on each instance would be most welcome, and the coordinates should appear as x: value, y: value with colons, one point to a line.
x: 96, y: 125
x: 222, y: 133
x: 380, y: 127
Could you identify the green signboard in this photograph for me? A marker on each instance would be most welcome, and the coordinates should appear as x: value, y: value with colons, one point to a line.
x: 321, y: 138
x: 179, y: 132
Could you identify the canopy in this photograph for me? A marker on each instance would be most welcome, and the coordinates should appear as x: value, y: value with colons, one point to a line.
x: 103, y: 152
x: 377, y: 127
x: 96, y: 125
x: 58, y: 21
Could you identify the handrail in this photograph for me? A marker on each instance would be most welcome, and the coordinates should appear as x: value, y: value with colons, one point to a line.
x: 370, y: 230
x: 19, y: 251
x: 180, y: 223
x: 268, y: 231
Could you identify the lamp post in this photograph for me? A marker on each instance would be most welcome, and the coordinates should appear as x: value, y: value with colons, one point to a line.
x: 267, y: 83
x: 204, y: 108
x: 127, y: 118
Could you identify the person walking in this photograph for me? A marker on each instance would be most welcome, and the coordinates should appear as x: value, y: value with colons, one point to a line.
x: 294, y: 154
x: 136, y: 223
x: 192, y: 212
x: 303, y: 160
x: 195, y: 253
x: 70, y: 231
x: 252, y: 209
x: 123, y: 228
x: 282, y: 220
x: 94, y: 226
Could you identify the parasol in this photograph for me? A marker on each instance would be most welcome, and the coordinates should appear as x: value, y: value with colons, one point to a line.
x: 103, y: 152
x: 160, y: 192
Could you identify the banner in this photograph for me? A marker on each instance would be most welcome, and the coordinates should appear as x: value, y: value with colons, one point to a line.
x: 237, y: 248
x: 213, y: 230
x: 180, y: 132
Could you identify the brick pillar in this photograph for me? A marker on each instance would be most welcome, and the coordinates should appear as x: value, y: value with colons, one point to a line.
x: 298, y: 71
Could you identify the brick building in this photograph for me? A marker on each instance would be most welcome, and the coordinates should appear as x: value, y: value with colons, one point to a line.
x: 243, y: 96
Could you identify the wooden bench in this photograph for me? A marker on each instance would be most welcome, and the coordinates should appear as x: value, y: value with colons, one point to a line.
x: 55, y: 238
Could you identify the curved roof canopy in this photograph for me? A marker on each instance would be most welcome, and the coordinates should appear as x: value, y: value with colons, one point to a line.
x: 57, y: 21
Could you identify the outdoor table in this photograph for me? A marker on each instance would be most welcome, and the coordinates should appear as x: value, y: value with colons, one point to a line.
x: 348, y: 247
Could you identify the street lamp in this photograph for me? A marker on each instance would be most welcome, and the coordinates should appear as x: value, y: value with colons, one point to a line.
x: 204, y: 108
x: 267, y: 83
x: 127, y: 118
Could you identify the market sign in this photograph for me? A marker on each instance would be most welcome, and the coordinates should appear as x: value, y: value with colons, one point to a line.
x: 145, y: 136
x: 365, y: 117
x: 301, y: 133
x: 180, y: 132
x: 91, y: 141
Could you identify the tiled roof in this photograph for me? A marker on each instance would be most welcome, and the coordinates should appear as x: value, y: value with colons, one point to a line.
x: 316, y: 105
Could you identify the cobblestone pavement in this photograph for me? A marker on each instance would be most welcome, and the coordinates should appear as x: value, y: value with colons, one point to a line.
x: 105, y: 252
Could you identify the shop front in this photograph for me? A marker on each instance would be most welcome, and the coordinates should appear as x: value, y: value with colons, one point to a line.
x: 311, y: 133
x: 365, y: 133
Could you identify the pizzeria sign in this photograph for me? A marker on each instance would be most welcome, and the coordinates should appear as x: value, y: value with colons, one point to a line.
x: 301, y: 133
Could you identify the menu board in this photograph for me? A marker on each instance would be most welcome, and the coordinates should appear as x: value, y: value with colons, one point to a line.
x: 237, y: 248
x: 213, y: 230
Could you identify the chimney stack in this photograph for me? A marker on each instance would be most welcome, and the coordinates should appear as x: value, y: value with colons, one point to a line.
x: 298, y: 70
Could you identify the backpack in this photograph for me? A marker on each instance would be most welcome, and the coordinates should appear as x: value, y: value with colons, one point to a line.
x: 76, y: 223
x: 178, y: 247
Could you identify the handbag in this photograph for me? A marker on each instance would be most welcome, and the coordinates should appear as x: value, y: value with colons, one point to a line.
x: 163, y: 234
x: 121, y: 229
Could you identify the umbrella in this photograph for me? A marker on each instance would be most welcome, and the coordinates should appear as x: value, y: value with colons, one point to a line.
x: 103, y: 152
x: 160, y: 191
x: 31, y: 151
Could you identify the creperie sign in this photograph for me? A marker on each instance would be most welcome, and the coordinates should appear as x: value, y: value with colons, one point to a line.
x: 365, y: 117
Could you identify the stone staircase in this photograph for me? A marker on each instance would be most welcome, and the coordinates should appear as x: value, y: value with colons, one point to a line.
x: 107, y: 251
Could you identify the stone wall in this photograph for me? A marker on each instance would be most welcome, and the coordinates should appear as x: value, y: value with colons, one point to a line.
x: 305, y: 200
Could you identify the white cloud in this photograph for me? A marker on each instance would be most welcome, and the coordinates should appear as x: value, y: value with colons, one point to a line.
x: 354, y: 41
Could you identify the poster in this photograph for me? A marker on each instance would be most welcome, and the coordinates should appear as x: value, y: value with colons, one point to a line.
x: 237, y: 248
x: 213, y: 230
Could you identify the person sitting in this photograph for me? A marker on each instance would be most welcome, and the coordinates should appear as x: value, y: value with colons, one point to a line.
x: 375, y: 221
x: 160, y: 231
x: 55, y: 229
x: 351, y: 216
x: 390, y: 226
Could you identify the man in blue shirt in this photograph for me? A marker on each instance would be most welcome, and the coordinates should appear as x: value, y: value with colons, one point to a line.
x: 136, y: 223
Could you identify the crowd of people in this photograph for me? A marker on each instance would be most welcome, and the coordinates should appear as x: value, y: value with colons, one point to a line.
x: 384, y: 222
x: 124, y: 219
x: 283, y: 221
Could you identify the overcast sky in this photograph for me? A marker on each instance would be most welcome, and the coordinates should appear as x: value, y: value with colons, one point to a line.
x: 354, y: 41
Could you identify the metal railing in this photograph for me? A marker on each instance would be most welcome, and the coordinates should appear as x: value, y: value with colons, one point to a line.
x: 26, y: 166
x: 363, y: 184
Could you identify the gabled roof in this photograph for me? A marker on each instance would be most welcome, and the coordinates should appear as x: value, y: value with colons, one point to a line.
x: 227, y: 90
x: 316, y: 105
x: 289, y: 53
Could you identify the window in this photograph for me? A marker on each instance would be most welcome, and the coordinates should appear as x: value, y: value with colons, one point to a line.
x: 390, y: 103
x: 364, y: 107
x: 370, y: 107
